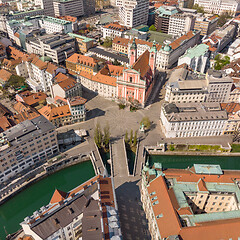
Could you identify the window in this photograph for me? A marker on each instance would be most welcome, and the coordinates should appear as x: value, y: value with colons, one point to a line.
x: 213, y: 203
x: 130, y: 79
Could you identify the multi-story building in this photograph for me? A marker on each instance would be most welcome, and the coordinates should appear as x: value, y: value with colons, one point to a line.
x: 220, y: 6
x: 120, y: 45
x: 197, y: 58
x: 184, y: 86
x: 113, y: 30
x: 68, y: 7
x: 138, y: 80
x: 25, y: 145
x: 221, y: 37
x: 170, y: 52
x: 47, y: 6
x: 180, y: 23
x: 162, y: 16
x: 200, y: 202
x: 134, y: 12
x: 53, y: 25
x: 81, y: 213
x: 80, y: 63
x: 234, y: 96
x: 56, y: 46
x: 233, y: 124
x: 71, y: 19
x: 219, y: 86
x: 104, y: 83
x: 68, y: 88
x: 77, y: 108
x: 206, y: 25
x: 83, y: 44
x: 192, y: 119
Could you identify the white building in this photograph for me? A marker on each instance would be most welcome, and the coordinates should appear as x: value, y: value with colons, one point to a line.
x: 47, y: 6
x: 219, y: 86
x: 26, y: 144
x: 192, y: 119
x: 134, y: 12
x: 77, y: 108
x: 56, y: 46
x: 184, y: 87
x: 180, y: 23
x: 234, y: 50
x: 113, y: 30
x: 219, y: 6
x: 72, y: 8
x: 52, y: 25
x: 196, y: 58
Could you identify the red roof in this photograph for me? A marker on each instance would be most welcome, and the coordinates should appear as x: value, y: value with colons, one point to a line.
x: 58, y: 196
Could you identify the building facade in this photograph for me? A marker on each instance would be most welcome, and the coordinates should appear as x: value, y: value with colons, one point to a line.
x: 192, y: 119
x: 68, y: 7
x: 133, y: 13
x: 113, y: 30
x: 25, y: 145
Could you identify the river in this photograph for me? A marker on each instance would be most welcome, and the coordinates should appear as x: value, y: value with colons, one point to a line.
x: 25, y: 203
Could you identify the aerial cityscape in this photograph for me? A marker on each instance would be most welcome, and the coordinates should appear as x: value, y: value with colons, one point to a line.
x: 120, y: 120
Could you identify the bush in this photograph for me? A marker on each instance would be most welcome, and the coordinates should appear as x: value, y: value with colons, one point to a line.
x: 171, y: 148
x: 146, y: 122
x: 152, y: 28
x: 121, y: 106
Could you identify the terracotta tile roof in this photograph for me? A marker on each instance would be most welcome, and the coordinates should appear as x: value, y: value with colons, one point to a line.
x: 116, y: 26
x: 4, y: 111
x: 68, y: 18
x: 202, y: 185
x: 21, y: 107
x: 16, y: 54
x: 101, y: 78
x: 212, y: 17
x: 51, y: 68
x: 166, y: 216
x: 175, y: 44
x: 58, y: 196
x: 230, y: 107
x: 67, y: 84
x: 112, y: 70
x: 77, y: 101
x: 81, y: 59
x: 142, y: 64
x: 29, y: 114
x: 33, y: 98
x: 51, y: 112
x: 39, y: 63
x: 5, y: 123
x: 11, y: 63
x: 121, y: 41
x: 5, y: 75
x: 60, y: 77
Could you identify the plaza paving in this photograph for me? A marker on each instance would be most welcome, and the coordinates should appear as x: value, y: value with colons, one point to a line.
x: 102, y: 111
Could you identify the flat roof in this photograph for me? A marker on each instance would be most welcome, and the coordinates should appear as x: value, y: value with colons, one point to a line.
x: 208, y: 169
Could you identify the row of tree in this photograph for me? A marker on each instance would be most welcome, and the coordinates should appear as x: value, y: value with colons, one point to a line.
x: 132, y: 140
x: 102, y: 139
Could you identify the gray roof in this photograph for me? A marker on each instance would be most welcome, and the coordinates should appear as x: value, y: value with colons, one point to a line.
x: 60, y: 219
x: 218, y: 76
x: 91, y: 222
x: 183, y: 112
x: 109, y: 54
x: 28, y: 129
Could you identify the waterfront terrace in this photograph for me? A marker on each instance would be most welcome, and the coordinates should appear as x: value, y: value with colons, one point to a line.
x: 201, y: 202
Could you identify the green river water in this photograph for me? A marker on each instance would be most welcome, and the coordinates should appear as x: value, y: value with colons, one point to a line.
x: 25, y: 203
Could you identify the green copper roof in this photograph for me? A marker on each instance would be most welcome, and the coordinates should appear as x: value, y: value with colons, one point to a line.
x: 162, y: 12
x: 167, y: 48
x: 196, y: 51
x: 85, y: 39
x: 56, y: 20
x: 207, y: 169
x: 134, y: 45
x: 45, y: 59
x: 153, y: 48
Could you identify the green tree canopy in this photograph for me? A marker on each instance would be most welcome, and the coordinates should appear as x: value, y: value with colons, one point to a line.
x: 152, y: 28
x: 98, y: 136
x: 107, y: 42
x: 200, y: 9
x: 146, y: 122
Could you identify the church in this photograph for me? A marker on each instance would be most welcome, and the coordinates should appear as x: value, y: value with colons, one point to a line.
x: 138, y: 80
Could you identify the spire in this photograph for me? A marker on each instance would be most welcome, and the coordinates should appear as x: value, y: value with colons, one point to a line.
x: 153, y: 48
x: 134, y: 45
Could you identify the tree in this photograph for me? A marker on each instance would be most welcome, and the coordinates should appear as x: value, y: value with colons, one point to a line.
x: 146, y: 122
x: 223, y: 18
x: 106, y: 138
x: 116, y: 62
x: 135, y: 139
x: 131, y: 137
x: 152, y: 28
x: 98, y: 135
x: 200, y: 9
x: 126, y: 137
x: 107, y: 42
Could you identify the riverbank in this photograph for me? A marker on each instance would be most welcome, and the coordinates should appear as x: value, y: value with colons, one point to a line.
x: 48, y: 170
x: 39, y: 194
x: 196, y: 153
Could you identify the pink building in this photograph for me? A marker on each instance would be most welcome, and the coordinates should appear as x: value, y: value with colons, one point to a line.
x: 138, y: 79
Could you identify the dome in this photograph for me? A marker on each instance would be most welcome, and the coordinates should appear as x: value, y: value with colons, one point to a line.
x: 46, y: 59
x: 167, y: 48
